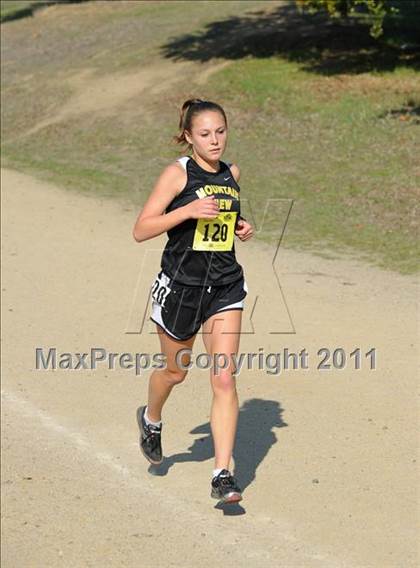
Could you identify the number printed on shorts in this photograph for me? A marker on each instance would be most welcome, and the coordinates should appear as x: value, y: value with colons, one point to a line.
x: 215, y: 234
x: 160, y: 291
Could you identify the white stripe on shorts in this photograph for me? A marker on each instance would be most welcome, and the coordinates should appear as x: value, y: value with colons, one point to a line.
x: 231, y: 306
x: 156, y: 316
x: 236, y: 304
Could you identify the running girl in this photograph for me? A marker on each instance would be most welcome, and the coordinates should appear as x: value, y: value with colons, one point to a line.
x: 196, y: 200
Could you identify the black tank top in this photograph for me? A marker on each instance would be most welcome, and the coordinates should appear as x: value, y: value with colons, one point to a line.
x: 201, y: 252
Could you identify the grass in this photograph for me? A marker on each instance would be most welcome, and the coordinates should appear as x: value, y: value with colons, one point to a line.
x: 342, y: 147
x: 349, y: 172
x: 11, y: 7
x: 17, y: 9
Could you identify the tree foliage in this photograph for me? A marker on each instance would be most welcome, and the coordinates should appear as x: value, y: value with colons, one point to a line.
x: 376, y: 10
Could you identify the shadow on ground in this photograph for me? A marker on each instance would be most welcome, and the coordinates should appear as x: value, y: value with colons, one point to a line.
x: 318, y: 43
x: 32, y: 7
x: 411, y: 111
x: 254, y: 439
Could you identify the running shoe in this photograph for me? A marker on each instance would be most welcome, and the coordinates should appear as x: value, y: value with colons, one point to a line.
x: 225, y: 488
x: 150, y: 442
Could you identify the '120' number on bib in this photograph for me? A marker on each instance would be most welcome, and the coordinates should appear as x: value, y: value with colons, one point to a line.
x: 215, y: 234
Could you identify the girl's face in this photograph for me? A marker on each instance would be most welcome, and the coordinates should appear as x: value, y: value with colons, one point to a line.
x: 208, y: 135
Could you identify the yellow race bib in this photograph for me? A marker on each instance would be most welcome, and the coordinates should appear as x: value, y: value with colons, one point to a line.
x: 215, y: 234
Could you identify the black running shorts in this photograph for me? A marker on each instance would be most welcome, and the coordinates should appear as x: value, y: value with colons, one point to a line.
x: 181, y: 310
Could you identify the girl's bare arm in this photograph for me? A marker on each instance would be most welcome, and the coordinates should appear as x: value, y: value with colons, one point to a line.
x: 152, y: 221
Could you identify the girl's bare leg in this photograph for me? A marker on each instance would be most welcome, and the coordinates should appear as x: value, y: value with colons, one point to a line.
x: 224, y: 339
x: 162, y: 381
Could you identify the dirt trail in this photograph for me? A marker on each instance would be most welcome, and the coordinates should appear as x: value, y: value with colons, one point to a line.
x: 102, y: 95
x: 327, y: 458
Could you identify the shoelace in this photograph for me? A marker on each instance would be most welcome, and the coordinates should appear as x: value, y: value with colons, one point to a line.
x: 227, y: 480
x: 153, y: 434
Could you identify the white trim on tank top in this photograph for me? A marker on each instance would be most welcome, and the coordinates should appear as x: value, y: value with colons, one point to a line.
x: 183, y: 161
